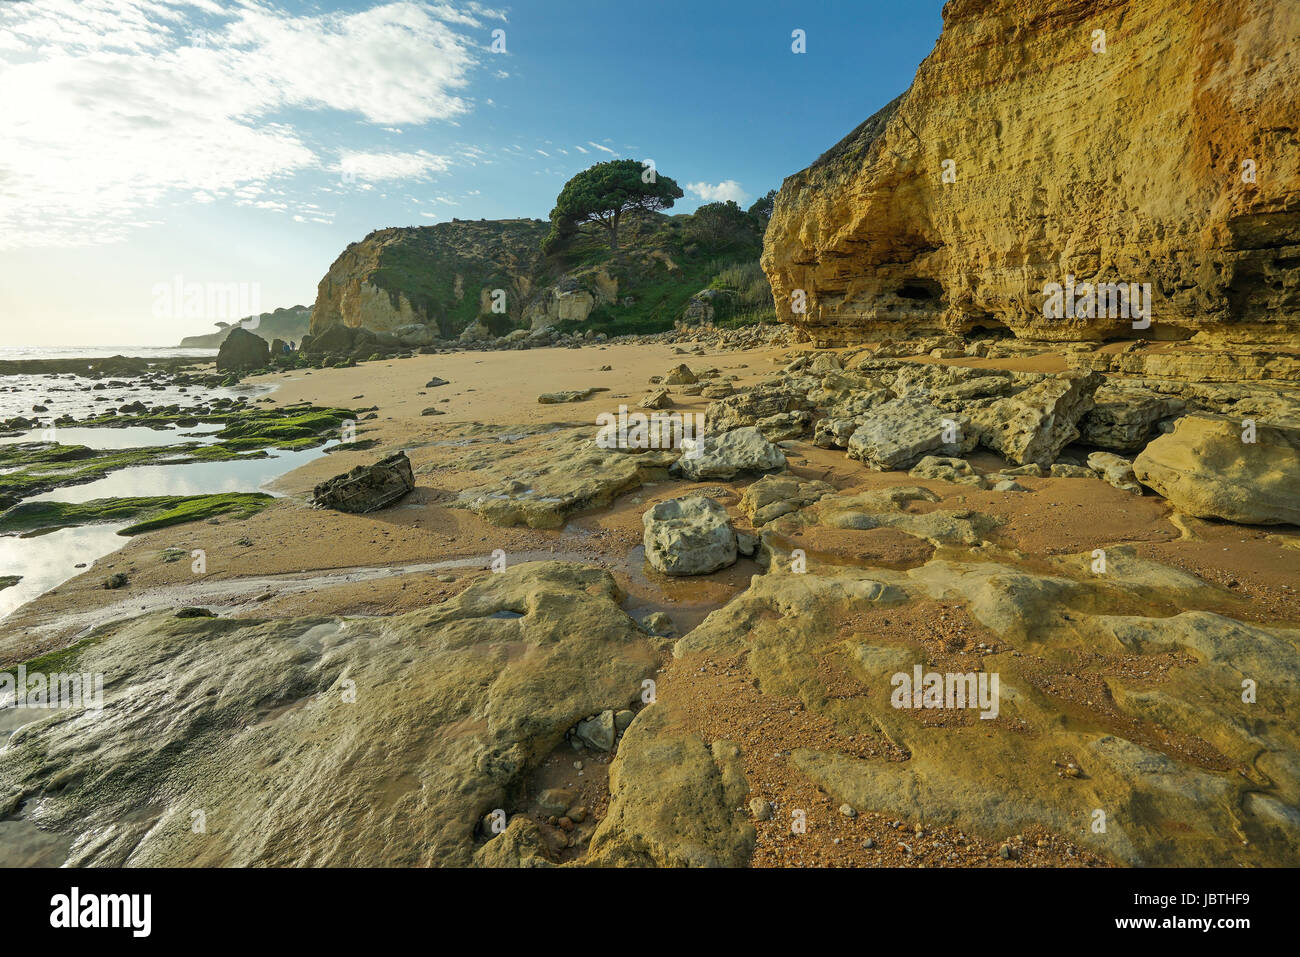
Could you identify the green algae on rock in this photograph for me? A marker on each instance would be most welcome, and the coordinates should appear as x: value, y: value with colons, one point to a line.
x: 160, y: 511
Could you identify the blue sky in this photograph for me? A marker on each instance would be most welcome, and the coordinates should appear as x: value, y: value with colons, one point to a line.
x: 249, y: 141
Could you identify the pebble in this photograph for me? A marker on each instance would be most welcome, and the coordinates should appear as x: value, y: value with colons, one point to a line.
x: 848, y: 811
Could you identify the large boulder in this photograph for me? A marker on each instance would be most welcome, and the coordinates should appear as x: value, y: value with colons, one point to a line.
x: 727, y: 455
x: 689, y: 536
x: 241, y: 351
x: 414, y: 334
x: 1205, y: 468
x: 1035, y: 424
x: 367, y: 487
x: 334, y: 340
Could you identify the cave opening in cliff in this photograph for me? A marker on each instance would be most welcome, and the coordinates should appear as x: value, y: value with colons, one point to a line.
x: 987, y: 326
x: 920, y: 290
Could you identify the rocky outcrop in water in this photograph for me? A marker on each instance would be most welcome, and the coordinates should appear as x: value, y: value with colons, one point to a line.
x: 1030, y: 148
x: 241, y: 351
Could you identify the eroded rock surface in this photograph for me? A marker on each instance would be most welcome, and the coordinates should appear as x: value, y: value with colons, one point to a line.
x: 326, y: 742
x: 936, y: 214
x: 689, y: 536
x: 1206, y: 468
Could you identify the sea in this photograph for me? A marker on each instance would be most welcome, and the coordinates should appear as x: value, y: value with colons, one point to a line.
x: 46, y: 561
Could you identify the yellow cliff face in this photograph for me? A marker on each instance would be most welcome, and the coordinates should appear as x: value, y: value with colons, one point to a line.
x: 1032, y: 148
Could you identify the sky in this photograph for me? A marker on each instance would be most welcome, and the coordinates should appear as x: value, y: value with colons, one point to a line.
x: 150, y: 147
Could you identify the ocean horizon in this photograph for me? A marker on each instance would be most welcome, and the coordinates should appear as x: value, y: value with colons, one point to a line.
x: 102, y: 352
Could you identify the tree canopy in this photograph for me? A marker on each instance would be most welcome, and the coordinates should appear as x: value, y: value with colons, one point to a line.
x: 762, y: 207
x: 603, y: 193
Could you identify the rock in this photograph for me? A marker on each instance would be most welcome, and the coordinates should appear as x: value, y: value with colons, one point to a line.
x: 1009, y: 485
x: 857, y: 231
x: 673, y: 801
x: 440, y: 715
x: 1205, y: 469
x: 1033, y: 425
x: 983, y: 776
x: 1064, y: 470
x: 658, y: 399
x: 8, y: 581
x: 573, y: 395
x: 659, y: 624
x: 835, y: 433
x: 886, y: 508
x: 433, y: 410
x: 435, y: 382
x: 521, y: 844
x: 948, y: 469
x: 555, y: 801
x: 622, y: 719
x: 747, y: 408
x: 680, y: 375
x: 568, y: 472
x: 334, y: 340
x: 689, y: 536
x: 367, y: 487
x: 1124, y: 418
x: 901, y: 431
x: 241, y: 351
x: 783, y: 425
x: 775, y: 495
x: 192, y: 612
x: 414, y: 334
x: 598, y: 732
x: 727, y: 455
x: 1115, y: 470
x: 847, y: 811
x: 760, y: 809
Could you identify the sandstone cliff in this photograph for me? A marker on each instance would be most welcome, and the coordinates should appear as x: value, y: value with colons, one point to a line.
x: 441, y: 276
x: 1023, y: 154
x: 689, y: 267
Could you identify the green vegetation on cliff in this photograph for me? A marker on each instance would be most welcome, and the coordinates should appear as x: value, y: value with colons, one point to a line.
x: 609, y: 262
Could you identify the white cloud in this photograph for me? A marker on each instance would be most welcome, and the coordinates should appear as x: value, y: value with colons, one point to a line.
x: 599, y: 147
x: 384, y: 166
x: 719, y: 193
x: 111, y: 107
